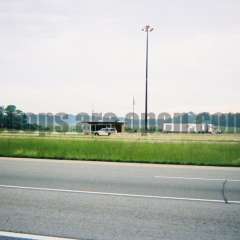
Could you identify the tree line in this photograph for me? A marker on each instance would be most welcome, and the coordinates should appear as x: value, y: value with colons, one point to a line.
x: 15, y: 119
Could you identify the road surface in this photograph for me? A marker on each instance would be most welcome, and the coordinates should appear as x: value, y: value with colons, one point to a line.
x: 106, y: 201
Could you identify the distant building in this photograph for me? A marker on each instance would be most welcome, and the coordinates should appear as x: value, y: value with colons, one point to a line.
x: 189, y: 128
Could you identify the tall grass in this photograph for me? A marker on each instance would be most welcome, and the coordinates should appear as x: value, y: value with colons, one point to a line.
x: 221, y: 154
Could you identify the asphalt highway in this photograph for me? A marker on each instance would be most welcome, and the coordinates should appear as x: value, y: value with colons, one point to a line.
x: 98, y: 201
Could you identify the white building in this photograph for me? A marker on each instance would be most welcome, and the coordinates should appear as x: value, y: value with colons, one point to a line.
x: 189, y: 128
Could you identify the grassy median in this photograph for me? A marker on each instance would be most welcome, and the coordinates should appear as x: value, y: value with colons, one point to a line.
x: 215, y: 154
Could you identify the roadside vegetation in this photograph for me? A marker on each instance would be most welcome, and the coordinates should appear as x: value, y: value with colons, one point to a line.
x: 181, y: 152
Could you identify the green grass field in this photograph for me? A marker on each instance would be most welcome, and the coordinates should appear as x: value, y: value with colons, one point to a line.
x: 195, y: 153
x: 153, y: 137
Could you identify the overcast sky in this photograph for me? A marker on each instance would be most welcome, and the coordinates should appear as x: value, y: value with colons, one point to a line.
x: 74, y: 55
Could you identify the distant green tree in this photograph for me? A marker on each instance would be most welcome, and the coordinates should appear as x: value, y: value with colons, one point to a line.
x: 10, y: 112
x: 10, y: 109
x: 1, y: 117
x: 13, y: 118
x: 203, y: 117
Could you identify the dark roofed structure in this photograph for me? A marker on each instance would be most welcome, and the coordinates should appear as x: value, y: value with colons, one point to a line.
x: 95, y: 126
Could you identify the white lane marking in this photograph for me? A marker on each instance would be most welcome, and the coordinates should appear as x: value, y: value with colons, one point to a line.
x: 114, y: 194
x: 30, y: 236
x: 201, y: 179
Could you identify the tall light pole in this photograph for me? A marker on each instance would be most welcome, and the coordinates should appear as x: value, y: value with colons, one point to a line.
x: 133, y: 111
x: 146, y: 29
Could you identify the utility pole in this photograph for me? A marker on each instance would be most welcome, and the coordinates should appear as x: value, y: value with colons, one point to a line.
x: 133, y: 111
x: 146, y: 29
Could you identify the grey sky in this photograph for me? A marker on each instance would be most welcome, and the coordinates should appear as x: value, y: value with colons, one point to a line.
x: 74, y: 55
